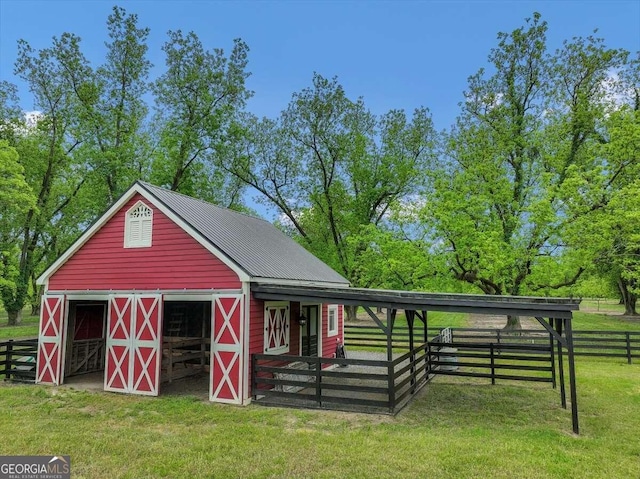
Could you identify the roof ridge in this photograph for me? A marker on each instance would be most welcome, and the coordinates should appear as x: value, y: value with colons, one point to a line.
x: 147, y: 185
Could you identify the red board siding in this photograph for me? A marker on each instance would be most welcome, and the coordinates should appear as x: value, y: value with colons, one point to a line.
x: 174, y: 261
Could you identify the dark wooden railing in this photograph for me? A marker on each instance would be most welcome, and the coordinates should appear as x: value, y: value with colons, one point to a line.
x: 351, y: 384
x: 18, y: 359
x: 616, y: 344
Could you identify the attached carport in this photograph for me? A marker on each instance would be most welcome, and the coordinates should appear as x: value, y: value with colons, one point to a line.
x: 554, y: 314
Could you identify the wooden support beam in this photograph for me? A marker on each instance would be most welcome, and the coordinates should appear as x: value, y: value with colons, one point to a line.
x: 376, y: 319
x: 391, y: 383
x: 563, y: 394
x: 391, y: 318
x: 553, y: 356
x: 558, y: 336
x: 412, y: 357
x: 572, y: 376
x: 426, y: 326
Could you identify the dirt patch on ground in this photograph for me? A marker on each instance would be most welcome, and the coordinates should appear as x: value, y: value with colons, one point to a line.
x: 490, y: 321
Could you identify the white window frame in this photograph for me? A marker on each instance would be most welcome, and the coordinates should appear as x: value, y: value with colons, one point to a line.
x: 282, y: 348
x: 142, y: 242
x: 332, y: 308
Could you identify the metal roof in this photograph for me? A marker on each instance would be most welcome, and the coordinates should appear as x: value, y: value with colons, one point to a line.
x: 560, y: 308
x: 254, y: 244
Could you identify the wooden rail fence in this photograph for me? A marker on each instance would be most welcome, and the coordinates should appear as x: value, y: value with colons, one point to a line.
x: 350, y: 384
x: 616, y: 344
x: 18, y: 359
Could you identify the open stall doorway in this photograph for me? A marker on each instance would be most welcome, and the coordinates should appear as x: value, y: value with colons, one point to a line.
x: 186, y: 347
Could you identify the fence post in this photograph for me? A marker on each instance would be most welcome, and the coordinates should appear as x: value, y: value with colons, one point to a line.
x: 628, y: 347
x: 498, y: 335
x: 553, y: 358
x: 254, y: 379
x: 493, y: 369
x: 318, y: 381
x: 9, y: 359
x: 392, y: 387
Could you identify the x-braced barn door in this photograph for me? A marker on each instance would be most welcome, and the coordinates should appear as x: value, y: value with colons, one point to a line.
x: 133, y: 344
x: 226, y: 349
x: 52, y: 326
x: 146, y: 352
x: 116, y: 371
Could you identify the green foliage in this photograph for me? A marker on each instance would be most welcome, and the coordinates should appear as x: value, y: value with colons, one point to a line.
x: 533, y: 187
x: 197, y: 98
x: 331, y: 169
x: 520, y: 171
x: 16, y: 199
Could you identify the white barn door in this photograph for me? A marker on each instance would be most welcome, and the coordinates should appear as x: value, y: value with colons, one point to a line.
x: 117, y: 368
x: 226, y: 349
x: 146, y: 354
x: 134, y: 337
x: 50, y: 340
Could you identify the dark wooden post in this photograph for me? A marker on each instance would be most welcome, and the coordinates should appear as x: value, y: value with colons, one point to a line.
x: 628, y: 347
x: 553, y: 357
x: 426, y: 326
x: 563, y: 395
x: 412, y: 356
x: 391, y: 384
x: 391, y: 318
x: 318, y: 381
x: 9, y: 359
x: 572, y: 376
x: 254, y: 379
x: 493, y: 365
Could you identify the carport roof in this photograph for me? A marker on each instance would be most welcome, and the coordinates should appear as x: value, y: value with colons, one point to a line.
x: 419, y: 301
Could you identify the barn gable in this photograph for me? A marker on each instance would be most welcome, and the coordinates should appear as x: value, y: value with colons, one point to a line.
x: 140, y: 248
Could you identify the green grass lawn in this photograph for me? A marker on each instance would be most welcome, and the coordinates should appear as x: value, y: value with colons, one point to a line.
x: 454, y: 429
x: 604, y: 322
x: 602, y: 305
x: 28, y: 327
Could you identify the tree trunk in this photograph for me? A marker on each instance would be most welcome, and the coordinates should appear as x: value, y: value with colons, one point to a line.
x: 15, y: 317
x: 351, y: 312
x: 35, y: 297
x: 629, y: 299
x: 630, y: 305
x: 513, y: 322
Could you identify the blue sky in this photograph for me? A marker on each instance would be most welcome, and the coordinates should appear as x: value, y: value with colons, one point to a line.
x: 394, y: 54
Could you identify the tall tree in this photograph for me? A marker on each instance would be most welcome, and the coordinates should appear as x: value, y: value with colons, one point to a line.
x: 113, y: 110
x: 16, y: 200
x: 198, y: 98
x: 46, y: 154
x: 523, y: 140
x: 331, y: 168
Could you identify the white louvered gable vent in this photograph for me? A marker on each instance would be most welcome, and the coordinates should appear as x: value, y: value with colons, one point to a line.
x: 138, y: 226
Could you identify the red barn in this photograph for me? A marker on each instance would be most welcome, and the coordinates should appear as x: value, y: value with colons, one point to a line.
x: 160, y: 287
